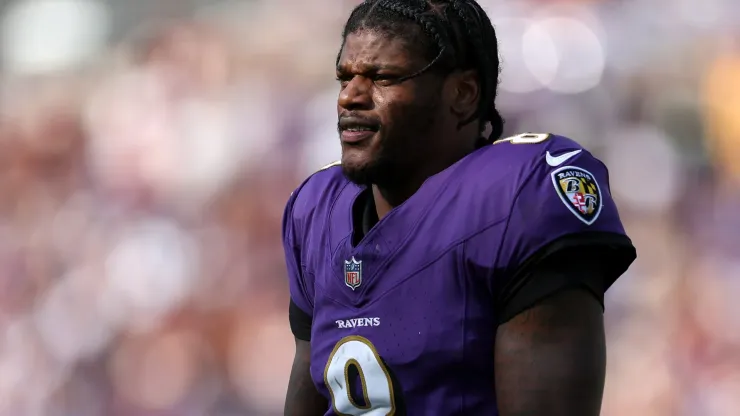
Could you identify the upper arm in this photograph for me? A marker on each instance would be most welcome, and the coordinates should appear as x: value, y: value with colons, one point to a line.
x: 301, y: 304
x: 563, y: 246
x: 302, y: 398
x: 563, y: 231
x: 550, y: 359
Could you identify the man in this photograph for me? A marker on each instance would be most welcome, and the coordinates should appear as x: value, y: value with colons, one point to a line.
x: 433, y: 272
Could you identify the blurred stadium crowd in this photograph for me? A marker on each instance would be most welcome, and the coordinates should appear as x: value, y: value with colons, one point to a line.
x: 148, y: 147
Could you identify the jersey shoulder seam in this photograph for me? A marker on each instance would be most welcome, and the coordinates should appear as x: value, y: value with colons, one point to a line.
x: 312, y: 176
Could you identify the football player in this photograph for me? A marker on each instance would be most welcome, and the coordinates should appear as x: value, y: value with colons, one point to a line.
x: 438, y: 269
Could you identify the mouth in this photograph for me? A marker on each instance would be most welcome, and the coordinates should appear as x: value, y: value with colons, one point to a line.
x: 355, y: 130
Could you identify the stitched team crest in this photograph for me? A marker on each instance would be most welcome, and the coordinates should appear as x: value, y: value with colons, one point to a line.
x: 579, y: 191
x: 353, y: 273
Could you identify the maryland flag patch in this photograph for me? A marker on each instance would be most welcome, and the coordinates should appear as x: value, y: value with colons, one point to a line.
x: 579, y: 191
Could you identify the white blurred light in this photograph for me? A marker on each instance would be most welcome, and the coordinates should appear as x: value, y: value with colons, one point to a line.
x: 28, y: 374
x: 519, y: 60
x: 577, y: 52
x: 67, y: 320
x: 562, y: 54
x: 540, y: 53
x: 51, y: 35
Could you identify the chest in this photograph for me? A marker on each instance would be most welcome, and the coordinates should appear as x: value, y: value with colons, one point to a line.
x: 412, y: 328
x: 401, y: 314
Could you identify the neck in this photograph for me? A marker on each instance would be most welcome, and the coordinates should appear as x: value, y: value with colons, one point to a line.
x: 390, y: 195
x: 386, y: 198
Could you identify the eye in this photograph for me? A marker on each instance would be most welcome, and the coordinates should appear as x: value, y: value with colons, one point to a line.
x: 384, y: 79
x: 381, y: 80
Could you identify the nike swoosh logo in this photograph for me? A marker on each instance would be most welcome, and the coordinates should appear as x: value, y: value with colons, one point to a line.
x: 559, y: 160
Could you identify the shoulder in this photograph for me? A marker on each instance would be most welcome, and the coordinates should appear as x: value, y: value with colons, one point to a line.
x: 547, y: 195
x: 510, y: 166
x: 320, y: 186
x: 523, y: 152
x: 315, y: 196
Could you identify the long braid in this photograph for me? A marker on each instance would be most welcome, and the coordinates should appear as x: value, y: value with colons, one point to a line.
x: 456, y: 34
x: 483, y: 39
x: 489, y: 38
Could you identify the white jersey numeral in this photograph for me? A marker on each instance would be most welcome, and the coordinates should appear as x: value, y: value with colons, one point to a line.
x: 525, y: 138
x: 376, y: 385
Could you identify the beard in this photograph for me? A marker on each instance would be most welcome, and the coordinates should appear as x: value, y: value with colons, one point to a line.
x: 377, y: 166
x: 399, y: 147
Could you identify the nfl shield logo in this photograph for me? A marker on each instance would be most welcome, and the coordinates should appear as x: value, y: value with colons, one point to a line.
x: 353, y: 273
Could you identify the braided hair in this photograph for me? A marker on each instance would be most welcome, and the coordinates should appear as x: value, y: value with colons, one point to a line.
x: 454, y: 35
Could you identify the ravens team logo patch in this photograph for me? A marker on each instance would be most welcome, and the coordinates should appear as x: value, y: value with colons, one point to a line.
x: 579, y: 191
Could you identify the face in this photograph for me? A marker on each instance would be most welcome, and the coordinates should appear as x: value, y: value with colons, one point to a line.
x: 384, y: 123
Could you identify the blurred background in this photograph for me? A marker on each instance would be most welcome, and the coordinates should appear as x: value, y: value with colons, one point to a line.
x: 147, y: 148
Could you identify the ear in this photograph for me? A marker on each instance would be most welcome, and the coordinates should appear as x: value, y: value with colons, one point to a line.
x: 463, y: 91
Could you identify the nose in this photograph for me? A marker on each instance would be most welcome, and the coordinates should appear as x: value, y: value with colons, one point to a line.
x: 356, y: 94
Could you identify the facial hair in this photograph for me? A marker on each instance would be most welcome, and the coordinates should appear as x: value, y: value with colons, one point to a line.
x: 401, y: 145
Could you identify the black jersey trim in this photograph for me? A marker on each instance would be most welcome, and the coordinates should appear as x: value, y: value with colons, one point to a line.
x: 593, y: 261
x: 300, y: 322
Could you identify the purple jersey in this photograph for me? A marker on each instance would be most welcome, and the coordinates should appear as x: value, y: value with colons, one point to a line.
x: 405, y: 321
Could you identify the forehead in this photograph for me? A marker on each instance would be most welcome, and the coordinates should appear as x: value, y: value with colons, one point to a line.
x: 374, y: 48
